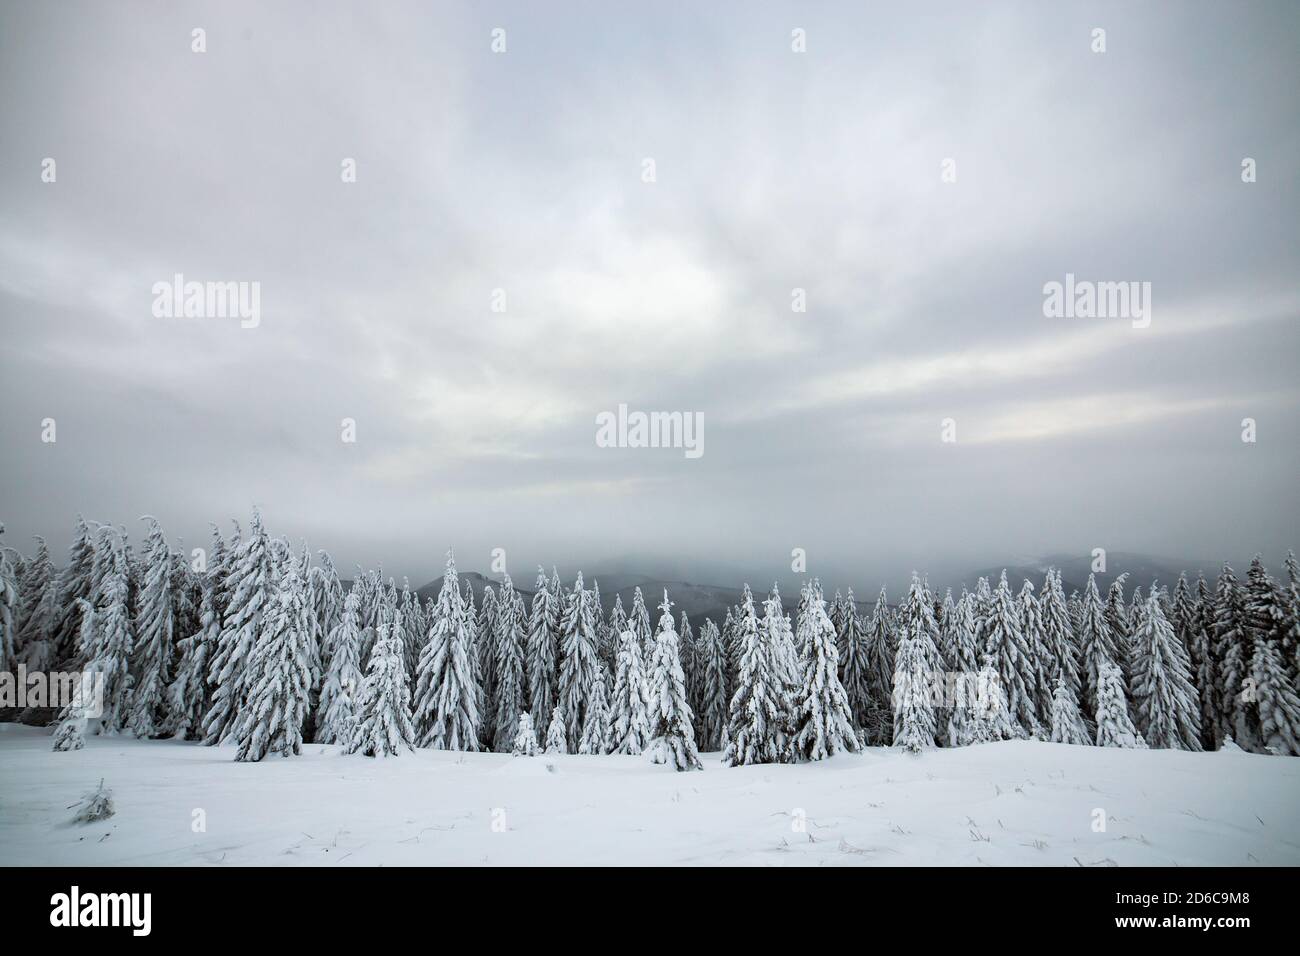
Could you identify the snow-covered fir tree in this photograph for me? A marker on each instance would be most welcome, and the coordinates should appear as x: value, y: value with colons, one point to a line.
x: 511, y: 693
x: 914, y: 672
x: 672, y: 737
x: 1165, y: 703
x: 1096, y: 642
x: 1012, y: 657
x: 1043, y: 665
x: 1067, y: 723
x: 1114, y: 728
x: 249, y: 584
x: 525, y: 742
x: 38, y: 593
x: 8, y: 602
x: 823, y: 719
x: 1205, y: 663
x: 541, y: 652
x: 690, y: 661
x: 1058, y: 636
x: 486, y: 633
x: 155, y: 634
x: 711, y: 721
x: 447, y: 695
x: 340, y: 694
x: 596, y: 731
x: 882, y: 643
x: 75, y: 584
x: 384, y: 727
x: 1276, y: 704
x: 556, y: 734
x: 188, y: 698
x: 630, y: 719
x: 279, y: 676
x: 113, y: 641
x: 756, y: 731
x: 854, y: 662
x: 639, y: 619
x: 782, y: 637
x: 579, y: 658
x: 1232, y: 654
x: 1117, y: 619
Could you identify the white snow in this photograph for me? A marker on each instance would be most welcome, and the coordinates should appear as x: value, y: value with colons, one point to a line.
x: 1016, y: 802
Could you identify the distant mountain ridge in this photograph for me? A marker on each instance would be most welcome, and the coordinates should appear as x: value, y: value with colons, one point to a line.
x: 701, y: 601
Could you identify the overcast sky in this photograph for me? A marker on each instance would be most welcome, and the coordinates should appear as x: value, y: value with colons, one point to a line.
x: 775, y: 170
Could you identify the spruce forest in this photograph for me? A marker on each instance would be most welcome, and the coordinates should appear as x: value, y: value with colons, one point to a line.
x: 264, y: 647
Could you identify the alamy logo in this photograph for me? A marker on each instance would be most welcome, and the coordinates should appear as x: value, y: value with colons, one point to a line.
x: 103, y: 909
x: 179, y: 299
x: 1083, y: 299
x: 79, y: 689
x: 626, y: 429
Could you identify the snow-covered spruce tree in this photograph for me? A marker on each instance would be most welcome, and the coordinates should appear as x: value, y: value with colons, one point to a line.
x: 965, y: 725
x: 914, y: 672
x: 1042, y: 664
x: 756, y: 718
x: 604, y: 640
x: 511, y: 697
x: 327, y: 607
x: 783, y: 640
x: 730, y: 651
x: 555, y: 734
x: 446, y: 697
x: 485, y: 724
x: 249, y: 583
x: 155, y: 634
x: 596, y: 732
x: 823, y: 719
x: 1291, y: 643
x: 711, y: 721
x: 1067, y: 723
x: 616, y: 626
x: 340, y: 694
x: 1012, y: 656
x: 486, y: 633
x: 38, y: 593
x: 1058, y: 636
x: 945, y: 612
x: 1114, y: 728
x: 1117, y: 619
x: 279, y: 676
x: 414, y: 629
x: 690, y: 662
x: 1206, y: 664
x: 541, y: 651
x: 1267, y: 623
x: 639, y: 620
x: 8, y: 602
x: 630, y: 721
x: 1095, y: 641
x: 525, y: 742
x: 882, y: 643
x: 1231, y: 653
x: 73, y: 717
x: 1276, y: 704
x: 854, y: 662
x: 672, y: 737
x: 188, y: 698
x: 113, y: 642
x: 384, y: 728
x: 74, y: 586
x: 578, y: 658
x: 1165, y: 704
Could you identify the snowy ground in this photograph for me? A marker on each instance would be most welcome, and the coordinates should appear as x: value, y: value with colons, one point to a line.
x: 1008, y: 803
